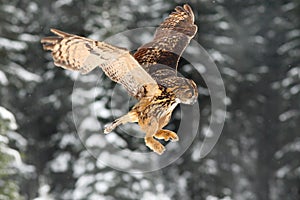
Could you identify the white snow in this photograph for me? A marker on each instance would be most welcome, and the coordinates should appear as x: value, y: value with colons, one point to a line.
x: 7, y: 115
x: 289, y: 6
x: 216, y: 55
x: 294, y: 72
x: 207, y: 131
x: 259, y: 39
x: 23, y: 73
x: 290, y: 147
x: 223, y: 25
x: 145, y: 37
x: 115, y: 160
x: 115, y: 139
x: 101, y: 187
x: 53, y: 99
x: 196, y: 155
x: 3, y: 78
x: 145, y: 184
x: 293, y: 34
x: 79, y: 167
x: 227, y: 101
x: 287, y: 81
x: 252, y: 77
x: 100, y: 164
x: 82, y: 96
x: 17, y: 161
x: 288, y: 46
x: 61, y: 3
x: 68, y: 139
x: 219, y: 115
x: 95, y: 140
x: 21, y: 142
x: 3, y: 139
x: 99, y: 109
x: 28, y: 37
x: 229, y: 72
x: 109, y: 176
x: 89, y: 124
x: 275, y: 85
x: 282, y: 171
x: 210, y: 197
x: 81, y: 81
x: 33, y: 7
x: 60, y: 163
x: 288, y: 114
x: 150, y: 196
x: 97, y: 197
x: 81, y: 192
x: 12, y: 45
x: 85, y: 181
x: 295, y: 89
x: 17, y: 12
x: 263, y: 69
x: 200, y: 68
x: 44, y: 193
x: 211, y: 166
x: 223, y: 40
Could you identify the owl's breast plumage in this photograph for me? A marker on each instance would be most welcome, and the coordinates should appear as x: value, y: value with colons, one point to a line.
x: 157, y: 107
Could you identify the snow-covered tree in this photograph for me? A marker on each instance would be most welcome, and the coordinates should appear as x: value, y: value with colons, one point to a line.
x: 12, y: 168
x: 60, y: 115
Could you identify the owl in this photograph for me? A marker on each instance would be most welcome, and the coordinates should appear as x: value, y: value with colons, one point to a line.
x: 149, y: 75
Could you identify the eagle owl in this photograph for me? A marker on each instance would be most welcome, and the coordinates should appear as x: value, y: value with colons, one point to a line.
x: 149, y: 75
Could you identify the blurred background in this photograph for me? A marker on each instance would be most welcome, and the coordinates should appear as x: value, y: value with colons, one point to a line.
x: 256, y: 46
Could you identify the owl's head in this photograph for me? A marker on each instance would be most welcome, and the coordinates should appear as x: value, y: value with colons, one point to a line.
x: 186, y: 90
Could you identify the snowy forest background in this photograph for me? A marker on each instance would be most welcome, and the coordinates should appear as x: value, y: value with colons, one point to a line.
x: 256, y: 46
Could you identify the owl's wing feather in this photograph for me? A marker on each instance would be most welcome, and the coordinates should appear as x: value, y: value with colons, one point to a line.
x: 82, y: 54
x: 170, y: 40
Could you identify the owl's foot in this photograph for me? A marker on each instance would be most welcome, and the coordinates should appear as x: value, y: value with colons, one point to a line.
x: 110, y: 127
x: 166, y: 135
x: 154, y: 145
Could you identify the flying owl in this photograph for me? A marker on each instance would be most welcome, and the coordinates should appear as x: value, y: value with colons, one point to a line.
x: 149, y: 75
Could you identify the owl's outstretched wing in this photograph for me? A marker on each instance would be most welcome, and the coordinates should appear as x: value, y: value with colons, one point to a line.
x: 170, y: 40
x: 82, y: 54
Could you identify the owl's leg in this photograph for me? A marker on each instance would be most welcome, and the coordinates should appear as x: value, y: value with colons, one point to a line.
x: 150, y: 142
x: 166, y: 135
x: 129, y: 117
x: 154, y: 145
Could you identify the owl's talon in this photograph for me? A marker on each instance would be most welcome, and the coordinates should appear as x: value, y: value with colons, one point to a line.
x: 167, y: 135
x: 109, y: 127
x: 154, y: 145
